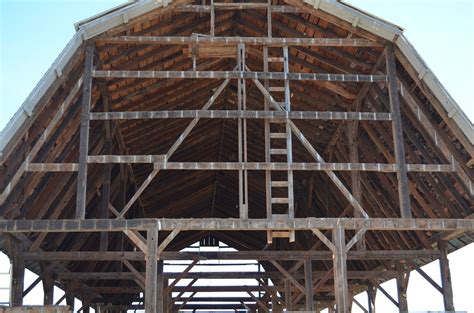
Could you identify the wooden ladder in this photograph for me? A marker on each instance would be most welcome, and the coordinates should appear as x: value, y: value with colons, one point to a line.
x: 278, y: 148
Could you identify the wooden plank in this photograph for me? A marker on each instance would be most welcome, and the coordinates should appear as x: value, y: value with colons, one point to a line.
x: 189, y: 224
x: 402, y: 286
x: 340, y: 270
x: 397, y: 130
x: 84, y: 134
x: 167, y: 241
x: 347, y: 78
x: 151, y: 272
x: 260, y: 41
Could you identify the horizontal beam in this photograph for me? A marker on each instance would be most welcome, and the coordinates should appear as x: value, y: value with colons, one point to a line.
x: 237, y: 6
x: 233, y: 224
x: 254, y: 41
x: 220, y: 275
x: 234, y: 166
x: 237, y: 255
x: 234, y: 114
x: 241, y: 75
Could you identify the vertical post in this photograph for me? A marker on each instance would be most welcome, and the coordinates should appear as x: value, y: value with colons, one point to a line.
x: 308, y: 280
x: 288, y: 295
x: 268, y: 173
x: 17, y: 281
x: 84, y: 135
x: 213, y: 19
x: 105, y: 190
x: 269, y: 19
x: 356, y: 189
x: 402, y: 285
x: 242, y: 135
x: 48, y: 286
x: 340, y: 270
x: 159, y: 288
x: 151, y: 271
x: 403, y: 193
x: 85, y: 308
x: 446, y: 277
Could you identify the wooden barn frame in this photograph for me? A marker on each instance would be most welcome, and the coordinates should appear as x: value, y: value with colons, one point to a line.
x: 308, y: 135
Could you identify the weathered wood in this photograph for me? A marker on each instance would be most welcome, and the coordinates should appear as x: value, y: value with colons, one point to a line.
x: 260, y: 41
x: 159, y: 288
x: 98, y: 225
x: 48, y: 286
x: 236, y: 6
x: 340, y: 270
x: 289, y: 304
x: 84, y: 134
x: 402, y: 286
x: 397, y: 130
x: 17, y: 274
x: 308, y: 280
x: 348, y: 78
x: 151, y: 290
x: 446, y: 277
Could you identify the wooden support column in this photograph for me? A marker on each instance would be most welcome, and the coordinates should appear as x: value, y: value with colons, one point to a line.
x: 446, y: 277
x: 105, y: 190
x: 84, y: 135
x: 159, y: 288
x: 242, y: 135
x: 340, y: 270
x: 402, y: 285
x: 397, y: 130
x: 17, y: 282
x: 308, y: 279
x: 151, y: 271
x: 48, y: 285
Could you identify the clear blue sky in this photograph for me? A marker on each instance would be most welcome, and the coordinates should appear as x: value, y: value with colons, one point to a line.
x: 34, y: 32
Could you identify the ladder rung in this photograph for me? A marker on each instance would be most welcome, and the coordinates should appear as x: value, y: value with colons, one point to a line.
x: 275, y: 88
x: 275, y: 59
x: 279, y: 200
x: 280, y: 216
x: 278, y: 151
x: 278, y: 135
x: 279, y: 184
x: 280, y: 234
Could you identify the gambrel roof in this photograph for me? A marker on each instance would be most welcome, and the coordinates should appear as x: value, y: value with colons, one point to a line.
x: 436, y: 131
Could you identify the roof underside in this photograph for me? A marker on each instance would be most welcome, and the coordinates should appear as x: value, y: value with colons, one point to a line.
x: 215, y: 193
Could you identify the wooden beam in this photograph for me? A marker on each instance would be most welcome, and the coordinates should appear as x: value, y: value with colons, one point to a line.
x: 17, y: 274
x: 340, y: 270
x: 161, y: 164
x: 90, y: 256
x: 308, y: 280
x: 168, y: 224
x: 446, y: 277
x: 287, y: 275
x: 255, y: 41
x: 397, y: 130
x: 402, y: 286
x: 84, y: 134
x: 246, y: 114
x: 48, y: 285
x: 347, y: 78
x: 151, y: 291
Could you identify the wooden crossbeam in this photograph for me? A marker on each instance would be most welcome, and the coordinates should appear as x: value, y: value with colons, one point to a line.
x: 217, y: 224
x: 234, y: 166
x: 246, y: 114
x: 236, y: 6
x: 256, y: 41
x: 347, y: 78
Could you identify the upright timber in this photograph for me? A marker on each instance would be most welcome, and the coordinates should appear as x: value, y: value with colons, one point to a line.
x: 308, y: 136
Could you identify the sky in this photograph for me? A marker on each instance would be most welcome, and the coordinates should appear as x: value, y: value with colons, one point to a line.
x: 33, y: 32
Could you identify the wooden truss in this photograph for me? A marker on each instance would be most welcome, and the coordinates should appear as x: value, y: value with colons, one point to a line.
x: 279, y: 126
